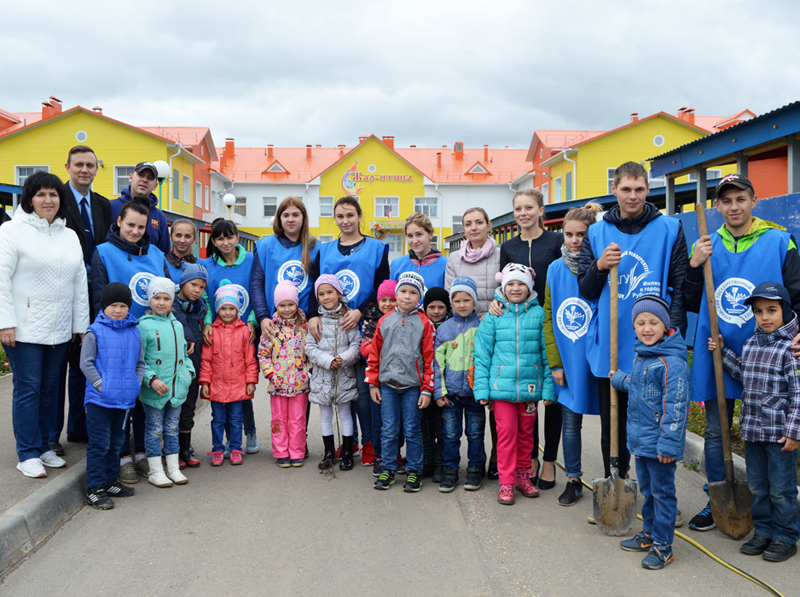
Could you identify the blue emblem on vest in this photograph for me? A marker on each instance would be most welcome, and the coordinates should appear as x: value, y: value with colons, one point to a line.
x: 350, y: 283
x: 730, y: 297
x: 573, y: 317
x: 138, y: 285
x: 294, y: 272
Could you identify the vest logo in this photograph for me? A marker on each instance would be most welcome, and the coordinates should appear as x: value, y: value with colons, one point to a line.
x: 350, y: 283
x: 139, y: 285
x: 573, y: 317
x: 730, y: 296
x: 244, y: 298
x: 294, y: 272
x: 632, y: 277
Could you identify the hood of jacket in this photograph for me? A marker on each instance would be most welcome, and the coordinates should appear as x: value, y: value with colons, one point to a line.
x: 128, y: 321
x: 468, y: 320
x: 40, y: 224
x: 336, y: 313
x: 672, y: 345
x: 427, y: 260
x: 150, y: 316
x: 786, y: 332
x: 300, y: 319
x: 140, y: 248
x: 531, y: 301
x: 632, y: 225
x: 126, y: 196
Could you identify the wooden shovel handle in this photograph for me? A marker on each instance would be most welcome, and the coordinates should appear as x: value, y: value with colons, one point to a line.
x: 700, y: 209
x: 614, y: 359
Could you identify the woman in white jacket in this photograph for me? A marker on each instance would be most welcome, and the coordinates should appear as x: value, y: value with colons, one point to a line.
x: 44, y: 301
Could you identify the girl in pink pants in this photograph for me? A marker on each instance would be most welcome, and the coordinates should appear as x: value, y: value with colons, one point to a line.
x: 283, y: 362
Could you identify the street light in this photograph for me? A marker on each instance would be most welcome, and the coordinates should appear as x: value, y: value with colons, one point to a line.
x: 229, y: 200
x: 163, y: 174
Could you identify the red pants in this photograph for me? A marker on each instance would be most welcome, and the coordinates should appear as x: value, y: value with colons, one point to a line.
x: 514, y: 438
x: 289, y: 426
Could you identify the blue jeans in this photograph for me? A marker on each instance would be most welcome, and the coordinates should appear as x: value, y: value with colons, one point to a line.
x: 247, y: 419
x: 772, y: 479
x: 571, y: 435
x: 377, y: 424
x: 74, y: 381
x: 106, y: 429
x: 712, y: 445
x: 660, y: 507
x: 362, y: 408
x: 227, y: 415
x: 136, y: 421
x: 400, y: 408
x: 161, y: 423
x: 36, y: 368
x: 453, y: 416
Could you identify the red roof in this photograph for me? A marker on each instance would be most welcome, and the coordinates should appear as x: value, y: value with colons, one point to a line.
x: 557, y: 139
x: 188, y: 136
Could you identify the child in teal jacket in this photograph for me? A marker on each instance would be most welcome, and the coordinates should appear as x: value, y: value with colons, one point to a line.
x: 168, y: 373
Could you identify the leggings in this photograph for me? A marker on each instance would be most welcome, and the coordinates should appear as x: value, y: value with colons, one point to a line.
x: 327, y: 414
x: 604, y: 393
x: 552, y: 433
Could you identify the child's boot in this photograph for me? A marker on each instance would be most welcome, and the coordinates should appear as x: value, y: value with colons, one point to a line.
x: 524, y: 485
x: 174, y: 470
x: 506, y: 495
x: 346, y: 463
x: 186, y: 458
x: 330, y: 453
x: 157, y: 476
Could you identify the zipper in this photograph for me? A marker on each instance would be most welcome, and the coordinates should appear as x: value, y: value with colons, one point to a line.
x: 530, y: 244
x: 158, y: 340
x: 516, y: 305
x: 58, y: 295
x: 175, y: 370
x: 28, y: 308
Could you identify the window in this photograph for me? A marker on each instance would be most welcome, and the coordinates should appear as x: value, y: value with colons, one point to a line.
x: 427, y: 205
x: 198, y: 194
x: 610, y: 172
x: 395, y: 242
x: 187, y: 189
x: 569, y: 186
x: 207, y: 198
x: 655, y: 182
x: 458, y: 225
x: 325, y: 238
x: 326, y: 207
x: 387, y: 207
x: 122, y: 178
x: 176, y: 190
x: 270, y: 207
x: 240, y: 207
x: 546, y: 192
x: 710, y: 175
x: 557, y: 189
x: 23, y: 172
x: 435, y: 242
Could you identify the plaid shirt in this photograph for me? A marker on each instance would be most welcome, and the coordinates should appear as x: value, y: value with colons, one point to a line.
x: 771, y: 378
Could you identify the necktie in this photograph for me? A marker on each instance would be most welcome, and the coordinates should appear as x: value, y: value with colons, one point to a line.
x: 87, y: 226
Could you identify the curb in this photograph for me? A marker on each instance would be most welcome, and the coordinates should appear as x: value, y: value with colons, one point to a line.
x: 29, y: 523
x: 694, y: 453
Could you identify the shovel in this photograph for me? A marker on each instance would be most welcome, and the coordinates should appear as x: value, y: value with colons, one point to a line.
x: 614, y: 498
x: 731, y: 500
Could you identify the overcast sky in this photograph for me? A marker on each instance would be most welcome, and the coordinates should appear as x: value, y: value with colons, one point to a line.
x: 429, y: 72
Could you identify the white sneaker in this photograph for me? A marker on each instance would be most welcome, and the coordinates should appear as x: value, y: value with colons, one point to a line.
x: 50, y: 460
x: 32, y: 468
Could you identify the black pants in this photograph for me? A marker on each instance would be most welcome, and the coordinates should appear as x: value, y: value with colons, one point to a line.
x: 604, y: 392
x: 187, y: 408
x: 432, y: 435
x: 552, y: 432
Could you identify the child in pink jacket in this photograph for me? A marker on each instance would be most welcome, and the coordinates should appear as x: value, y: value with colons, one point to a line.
x: 283, y: 362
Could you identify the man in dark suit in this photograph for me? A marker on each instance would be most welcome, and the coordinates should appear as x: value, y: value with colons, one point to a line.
x: 89, y: 215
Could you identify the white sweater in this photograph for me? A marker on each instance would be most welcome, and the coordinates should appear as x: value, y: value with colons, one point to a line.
x: 43, y: 289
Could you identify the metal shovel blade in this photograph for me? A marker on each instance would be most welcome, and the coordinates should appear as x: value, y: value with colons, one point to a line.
x: 731, y: 503
x: 614, y: 502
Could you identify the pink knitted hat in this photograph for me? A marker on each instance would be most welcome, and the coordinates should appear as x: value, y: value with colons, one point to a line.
x: 386, y: 288
x: 328, y: 279
x: 286, y: 291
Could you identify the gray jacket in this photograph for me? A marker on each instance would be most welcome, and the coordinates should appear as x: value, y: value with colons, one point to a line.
x: 339, y: 385
x: 482, y: 273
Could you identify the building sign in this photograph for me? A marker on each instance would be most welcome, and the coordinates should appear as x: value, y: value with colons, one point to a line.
x: 352, y: 178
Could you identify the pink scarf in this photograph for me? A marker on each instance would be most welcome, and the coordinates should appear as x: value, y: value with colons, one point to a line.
x: 471, y: 255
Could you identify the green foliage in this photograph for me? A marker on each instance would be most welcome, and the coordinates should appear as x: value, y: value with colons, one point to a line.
x: 4, y: 367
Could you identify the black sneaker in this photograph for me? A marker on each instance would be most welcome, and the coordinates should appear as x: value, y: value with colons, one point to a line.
x: 376, y: 468
x: 413, y: 482
x: 779, y: 551
x: 98, y: 498
x: 401, y: 465
x: 704, y: 521
x: 438, y: 474
x: 385, y: 480
x: 473, y: 480
x: 57, y: 448
x: 284, y: 462
x: 640, y: 542
x: 492, y: 472
x: 449, y: 480
x: 756, y: 546
x: 572, y: 493
x: 118, y: 490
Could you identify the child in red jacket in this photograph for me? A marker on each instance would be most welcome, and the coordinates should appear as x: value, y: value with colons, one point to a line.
x: 228, y: 374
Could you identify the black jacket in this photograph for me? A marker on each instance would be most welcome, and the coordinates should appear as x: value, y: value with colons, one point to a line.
x: 101, y: 219
x: 592, y: 280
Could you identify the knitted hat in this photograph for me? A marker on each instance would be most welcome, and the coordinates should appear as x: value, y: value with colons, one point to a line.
x: 774, y: 292
x: 437, y: 294
x: 328, y: 279
x: 464, y: 284
x: 413, y: 280
x: 651, y: 303
x: 386, y: 288
x: 515, y: 271
x: 286, y: 291
x: 115, y: 292
x: 193, y: 271
x: 159, y: 285
x: 227, y: 294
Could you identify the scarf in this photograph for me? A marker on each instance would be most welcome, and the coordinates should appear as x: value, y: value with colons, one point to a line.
x: 570, y: 259
x: 471, y: 255
x: 176, y: 261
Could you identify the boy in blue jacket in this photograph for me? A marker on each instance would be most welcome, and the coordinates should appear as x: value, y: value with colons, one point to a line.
x: 658, y: 407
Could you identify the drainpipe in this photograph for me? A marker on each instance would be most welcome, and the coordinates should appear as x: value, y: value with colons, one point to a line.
x: 172, y: 182
x: 441, y: 230
x: 574, y: 175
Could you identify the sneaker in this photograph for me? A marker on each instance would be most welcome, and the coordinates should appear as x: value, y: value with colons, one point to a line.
x: 401, y: 465
x: 98, y: 498
x: 506, y: 495
x: 284, y: 462
x: 118, y: 490
x: 297, y: 462
x: 385, y: 480
x: 658, y: 558
x: 413, y: 482
x: 756, y: 546
x: 473, y: 480
x: 779, y: 551
x: 572, y: 493
x: 142, y: 467
x: 703, y: 521
x: 492, y: 472
x: 252, y: 442
x: 590, y: 519
x: 376, y: 468
x: 50, y: 460
x: 356, y: 450
x: 216, y: 458
x: 236, y: 457
x: 127, y: 473
x: 57, y: 448
x: 367, y: 454
x: 32, y: 468
x: 678, y: 520
x: 640, y: 542
x: 524, y: 485
x: 449, y: 480
x: 438, y: 474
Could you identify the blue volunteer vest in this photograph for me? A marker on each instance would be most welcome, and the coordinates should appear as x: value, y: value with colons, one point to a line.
x: 356, y: 272
x: 279, y: 264
x: 174, y: 272
x: 644, y: 269
x: 572, y: 316
x: 433, y: 273
x: 134, y: 270
x: 735, y: 277
x: 239, y: 275
x: 118, y: 345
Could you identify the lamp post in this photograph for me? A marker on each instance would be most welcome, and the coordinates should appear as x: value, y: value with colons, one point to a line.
x: 229, y: 200
x: 163, y: 174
